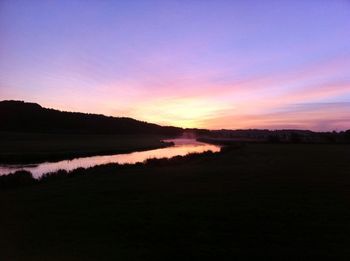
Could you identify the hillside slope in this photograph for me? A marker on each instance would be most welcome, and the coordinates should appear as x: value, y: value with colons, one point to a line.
x: 22, y: 116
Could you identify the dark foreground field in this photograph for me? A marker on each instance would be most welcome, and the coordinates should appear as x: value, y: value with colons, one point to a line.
x: 289, y: 202
x: 36, y: 147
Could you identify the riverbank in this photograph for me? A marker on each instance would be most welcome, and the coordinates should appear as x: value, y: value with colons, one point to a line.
x: 17, y: 148
x: 180, y: 147
x: 266, y: 201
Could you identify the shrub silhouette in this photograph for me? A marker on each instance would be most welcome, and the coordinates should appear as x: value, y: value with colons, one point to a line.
x: 17, y: 179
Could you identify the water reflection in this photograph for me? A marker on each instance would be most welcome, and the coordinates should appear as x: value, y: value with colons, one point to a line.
x: 182, y: 147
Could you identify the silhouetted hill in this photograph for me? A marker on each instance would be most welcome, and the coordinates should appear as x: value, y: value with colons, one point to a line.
x: 31, y: 117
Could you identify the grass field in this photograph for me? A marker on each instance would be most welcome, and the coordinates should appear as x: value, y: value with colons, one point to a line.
x: 283, y: 202
x: 34, y: 147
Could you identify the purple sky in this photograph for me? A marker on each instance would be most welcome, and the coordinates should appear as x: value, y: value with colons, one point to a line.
x: 213, y: 64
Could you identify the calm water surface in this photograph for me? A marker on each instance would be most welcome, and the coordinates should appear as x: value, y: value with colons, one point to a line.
x: 181, y: 148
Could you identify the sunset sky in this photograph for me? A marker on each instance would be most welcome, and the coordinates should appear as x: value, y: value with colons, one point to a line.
x: 212, y: 64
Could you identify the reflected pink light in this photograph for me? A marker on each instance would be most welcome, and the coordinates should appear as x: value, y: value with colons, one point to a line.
x: 182, y: 147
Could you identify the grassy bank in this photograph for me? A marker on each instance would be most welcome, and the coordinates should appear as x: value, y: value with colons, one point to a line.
x: 289, y: 202
x: 37, y: 147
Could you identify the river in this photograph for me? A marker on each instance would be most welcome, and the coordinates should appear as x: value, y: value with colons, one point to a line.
x: 182, y: 147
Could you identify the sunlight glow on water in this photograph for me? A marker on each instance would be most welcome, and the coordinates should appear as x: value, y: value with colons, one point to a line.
x: 182, y: 147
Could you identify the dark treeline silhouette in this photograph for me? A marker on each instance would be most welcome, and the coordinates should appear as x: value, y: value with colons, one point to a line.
x: 227, y: 137
x: 19, y: 116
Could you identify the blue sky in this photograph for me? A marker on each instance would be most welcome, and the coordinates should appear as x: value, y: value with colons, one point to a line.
x: 212, y: 64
